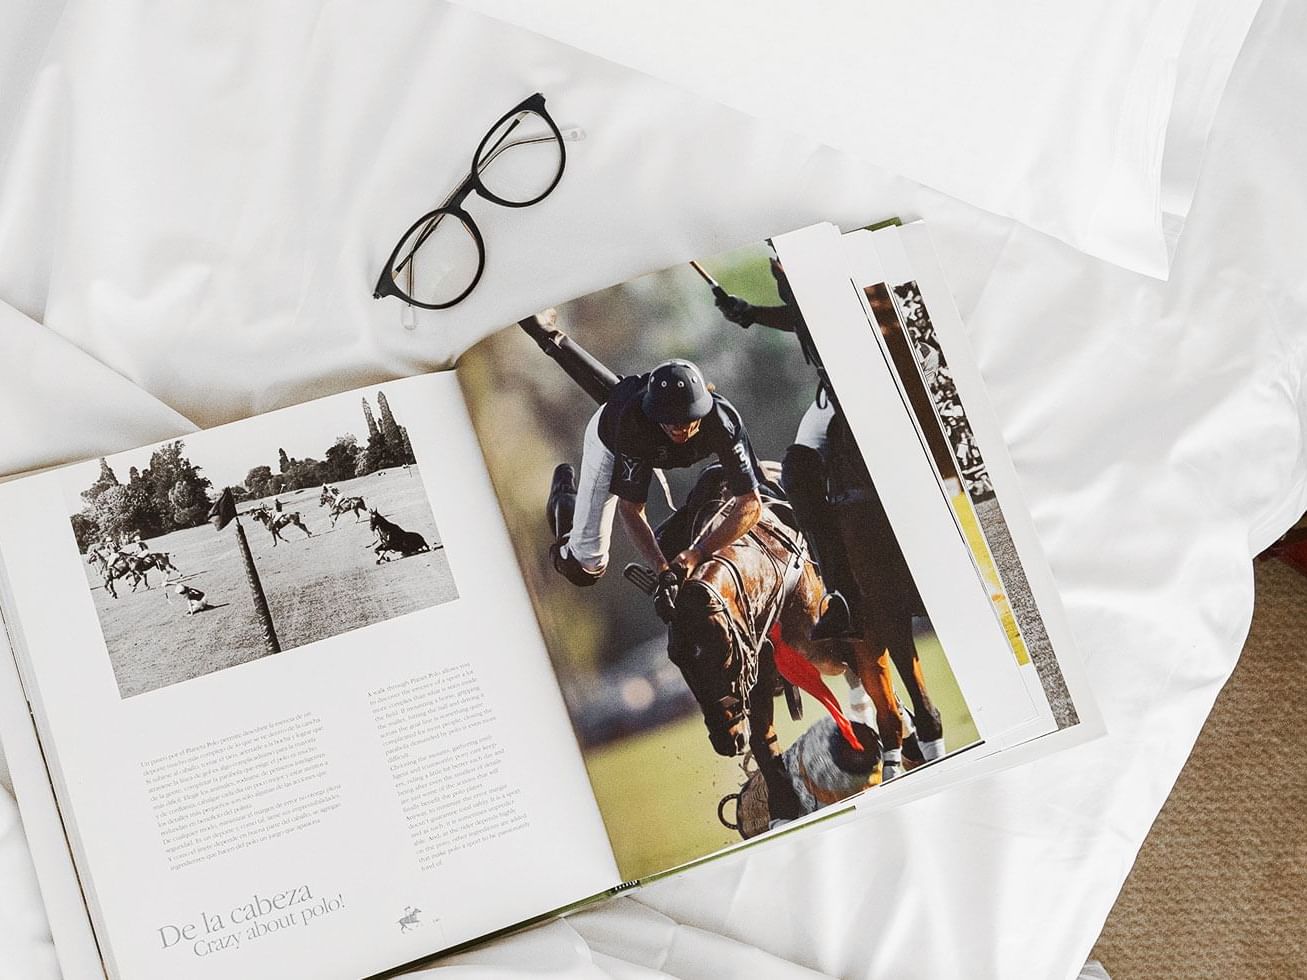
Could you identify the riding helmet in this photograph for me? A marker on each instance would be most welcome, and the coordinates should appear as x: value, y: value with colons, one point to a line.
x: 676, y: 394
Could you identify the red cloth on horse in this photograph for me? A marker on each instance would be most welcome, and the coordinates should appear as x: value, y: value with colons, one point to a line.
x: 796, y: 669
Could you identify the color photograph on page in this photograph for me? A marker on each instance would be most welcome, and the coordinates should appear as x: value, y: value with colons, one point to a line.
x: 711, y: 538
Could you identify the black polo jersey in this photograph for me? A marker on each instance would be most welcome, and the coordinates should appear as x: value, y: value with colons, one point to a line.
x: 640, y: 446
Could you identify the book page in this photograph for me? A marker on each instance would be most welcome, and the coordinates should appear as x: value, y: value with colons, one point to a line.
x: 926, y: 307
x: 343, y: 752
x: 686, y: 747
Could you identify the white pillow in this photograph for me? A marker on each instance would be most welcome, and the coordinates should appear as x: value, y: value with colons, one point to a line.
x: 1085, y: 121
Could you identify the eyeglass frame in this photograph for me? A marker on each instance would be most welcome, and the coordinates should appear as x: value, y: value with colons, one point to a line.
x: 453, y: 205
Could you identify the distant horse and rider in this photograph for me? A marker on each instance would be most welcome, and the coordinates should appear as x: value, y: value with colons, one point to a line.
x: 275, y: 523
x: 340, y: 506
x: 135, y: 566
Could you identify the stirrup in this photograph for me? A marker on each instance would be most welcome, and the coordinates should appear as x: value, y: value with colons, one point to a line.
x: 836, y: 620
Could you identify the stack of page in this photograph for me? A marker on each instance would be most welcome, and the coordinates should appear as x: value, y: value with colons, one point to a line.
x: 308, y: 695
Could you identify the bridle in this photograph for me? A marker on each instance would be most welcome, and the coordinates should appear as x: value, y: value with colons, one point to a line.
x: 747, y: 633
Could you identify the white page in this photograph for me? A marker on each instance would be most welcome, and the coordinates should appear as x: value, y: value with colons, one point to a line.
x: 874, y: 260
x: 1014, y: 720
x: 359, y: 861
x: 919, y: 253
x: 1084, y: 122
x: 959, y: 607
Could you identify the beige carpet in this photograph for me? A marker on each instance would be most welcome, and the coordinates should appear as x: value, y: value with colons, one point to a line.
x: 1220, y: 886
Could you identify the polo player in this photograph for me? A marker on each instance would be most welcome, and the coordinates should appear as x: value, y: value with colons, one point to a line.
x: 666, y: 419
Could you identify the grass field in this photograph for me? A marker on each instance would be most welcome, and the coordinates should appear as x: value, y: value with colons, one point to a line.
x: 316, y: 587
x: 658, y: 791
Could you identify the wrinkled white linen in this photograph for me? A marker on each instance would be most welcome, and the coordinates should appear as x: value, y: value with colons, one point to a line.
x: 1157, y: 427
x: 1085, y: 121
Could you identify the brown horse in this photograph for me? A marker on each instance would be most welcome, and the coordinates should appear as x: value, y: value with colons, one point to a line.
x: 718, y: 634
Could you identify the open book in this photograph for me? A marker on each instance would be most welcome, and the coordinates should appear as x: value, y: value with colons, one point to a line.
x: 308, y: 695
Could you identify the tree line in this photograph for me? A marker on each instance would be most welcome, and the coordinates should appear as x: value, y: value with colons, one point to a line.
x: 171, y: 494
x: 168, y: 495
x: 387, y: 446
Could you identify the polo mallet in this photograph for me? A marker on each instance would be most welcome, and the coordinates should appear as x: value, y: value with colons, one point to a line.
x: 721, y: 296
x: 713, y: 284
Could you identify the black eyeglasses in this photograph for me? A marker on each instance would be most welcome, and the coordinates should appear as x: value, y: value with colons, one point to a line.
x: 440, y: 261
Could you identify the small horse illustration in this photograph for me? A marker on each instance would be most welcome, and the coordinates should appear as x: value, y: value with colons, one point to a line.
x: 275, y: 522
x: 392, y: 537
x: 410, y: 919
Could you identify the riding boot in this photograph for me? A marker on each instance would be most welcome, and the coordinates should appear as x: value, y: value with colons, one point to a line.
x: 803, y: 475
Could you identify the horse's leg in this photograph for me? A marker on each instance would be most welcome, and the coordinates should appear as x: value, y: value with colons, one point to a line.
x: 930, y: 728
x: 782, y: 802
x: 873, y: 669
x: 861, y: 707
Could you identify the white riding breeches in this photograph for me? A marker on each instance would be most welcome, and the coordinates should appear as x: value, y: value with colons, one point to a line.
x: 596, y: 504
x: 812, y: 427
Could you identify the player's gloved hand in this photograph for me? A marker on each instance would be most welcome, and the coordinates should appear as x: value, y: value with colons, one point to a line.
x: 734, y: 309
x: 669, y: 585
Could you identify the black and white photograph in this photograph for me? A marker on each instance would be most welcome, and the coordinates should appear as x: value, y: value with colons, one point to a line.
x: 219, y: 548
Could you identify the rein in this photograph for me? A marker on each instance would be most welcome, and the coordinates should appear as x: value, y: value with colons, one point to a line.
x: 746, y: 637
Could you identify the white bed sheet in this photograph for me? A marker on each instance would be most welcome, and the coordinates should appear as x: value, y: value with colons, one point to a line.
x: 970, y: 99
x: 1157, y: 427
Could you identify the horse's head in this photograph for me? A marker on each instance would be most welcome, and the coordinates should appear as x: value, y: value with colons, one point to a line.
x: 717, y: 665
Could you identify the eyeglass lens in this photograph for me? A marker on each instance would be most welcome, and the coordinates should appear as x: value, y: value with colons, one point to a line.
x: 520, y: 159
x: 438, y: 260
